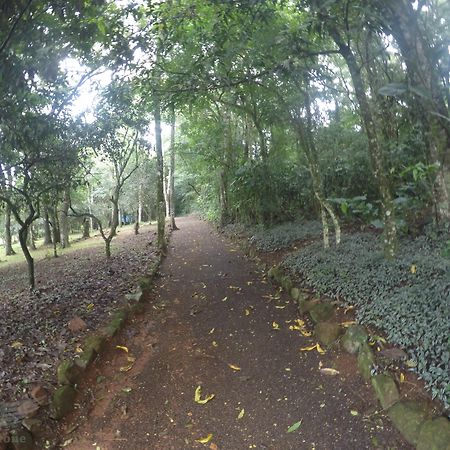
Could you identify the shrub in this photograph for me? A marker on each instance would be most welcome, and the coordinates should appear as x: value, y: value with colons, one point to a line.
x: 408, y: 298
x: 284, y: 235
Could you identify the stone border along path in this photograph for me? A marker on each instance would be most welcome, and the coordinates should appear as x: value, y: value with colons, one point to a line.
x: 216, y: 323
x: 70, y: 373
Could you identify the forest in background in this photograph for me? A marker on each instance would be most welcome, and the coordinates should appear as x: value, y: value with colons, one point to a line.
x: 277, y: 111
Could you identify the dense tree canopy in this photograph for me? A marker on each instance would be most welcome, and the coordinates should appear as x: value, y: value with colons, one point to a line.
x: 330, y: 109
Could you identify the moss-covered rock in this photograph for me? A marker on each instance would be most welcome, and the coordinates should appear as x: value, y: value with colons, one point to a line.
x: 67, y: 372
x: 327, y: 332
x: 434, y: 435
x: 354, y: 337
x: 275, y: 273
x: 408, y: 417
x: 295, y: 293
x: 286, y: 283
x: 304, y: 305
x: 321, y: 312
x: 117, y: 322
x: 91, y: 348
x: 63, y: 402
x: 385, y: 390
x: 366, y: 359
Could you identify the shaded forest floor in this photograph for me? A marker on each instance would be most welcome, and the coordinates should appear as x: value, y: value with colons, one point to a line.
x: 80, y: 284
x: 215, y: 322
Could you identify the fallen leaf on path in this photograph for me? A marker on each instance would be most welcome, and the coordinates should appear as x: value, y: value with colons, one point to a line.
x: 16, y: 344
x: 313, y: 347
x: 241, y: 414
x: 349, y: 323
x: 121, y: 347
x: 215, y: 344
x: 204, y: 440
x: 232, y: 366
x: 211, y: 331
x: 402, y: 378
x: 280, y: 307
x: 225, y: 299
x: 66, y: 442
x: 130, y: 364
x: 275, y: 326
x: 413, y: 268
x: 213, y: 446
x: 329, y: 371
x: 247, y: 312
x: 294, y: 427
x: 354, y: 412
x: 306, y: 333
x: 198, y: 397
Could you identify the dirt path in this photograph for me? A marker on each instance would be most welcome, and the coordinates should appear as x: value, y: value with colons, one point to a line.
x: 215, y: 309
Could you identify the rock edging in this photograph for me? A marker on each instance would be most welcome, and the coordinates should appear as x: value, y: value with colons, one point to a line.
x: 413, y: 419
x: 70, y: 371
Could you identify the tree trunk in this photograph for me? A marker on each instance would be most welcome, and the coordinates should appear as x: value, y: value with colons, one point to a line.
x: 55, y: 226
x: 47, y: 231
x: 86, y: 228
x: 108, y: 248
x: 65, y: 243
x: 23, y: 237
x: 137, y: 223
x: 160, y: 166
x: 430, y: 104
x: 8, y: 238
x: 31, y: 238
x: 376, y: 154
x: 171, y: 181
x: 223, y: 198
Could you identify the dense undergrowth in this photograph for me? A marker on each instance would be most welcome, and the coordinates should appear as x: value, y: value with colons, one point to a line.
x: 408, y: 298
x: 284, y: 235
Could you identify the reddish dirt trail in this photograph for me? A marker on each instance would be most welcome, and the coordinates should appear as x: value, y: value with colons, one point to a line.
x: 202, y: 326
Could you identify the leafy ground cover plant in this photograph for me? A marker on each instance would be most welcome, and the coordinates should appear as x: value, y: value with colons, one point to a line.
x: 408, y: 298
x: 285, y: 234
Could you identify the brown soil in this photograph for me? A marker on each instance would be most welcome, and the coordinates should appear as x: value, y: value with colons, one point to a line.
x: 212, y: 308
x: 34, y: 325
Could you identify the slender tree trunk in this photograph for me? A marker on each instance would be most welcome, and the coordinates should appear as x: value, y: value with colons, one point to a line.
x: 56, y: 229
x: 65, y: 243
x: 108, y: 248
x: 47, y: 231
x: 137, y: 223
x: 223, y: 198
x: 171, y: 181
x: 23, y: 238
x: 376, y: 154
x: 8, y: 238
x: 31, y: 238
x: 86, y: 228
x: 160, y: 165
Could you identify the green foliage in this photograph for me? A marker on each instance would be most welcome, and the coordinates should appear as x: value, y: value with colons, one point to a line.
x: 286, y: 234
x: 408, y: 298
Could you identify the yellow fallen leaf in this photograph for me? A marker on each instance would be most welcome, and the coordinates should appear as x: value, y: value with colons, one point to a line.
x: 329, y: 371
x: 225, y: 299
x: 320, y: 349
x: 211, y: 331
x: 413, y: 268
x: 306, y: 333
x: 308, y: 349
x: 204, y: 440
x: 249, y: 283
x: 130, y: 364
x: 90, y: 307
x: 275, y: 326
x: 241, y: 414
x: 198, y: 396
x: 247, y: 312
x: 17, y: 344
x: 121, y: 347
x: 402, y: 378
x: 348, y: 323
x: 232, y: 366
x: 215, y: 344
x: 280, y: 307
